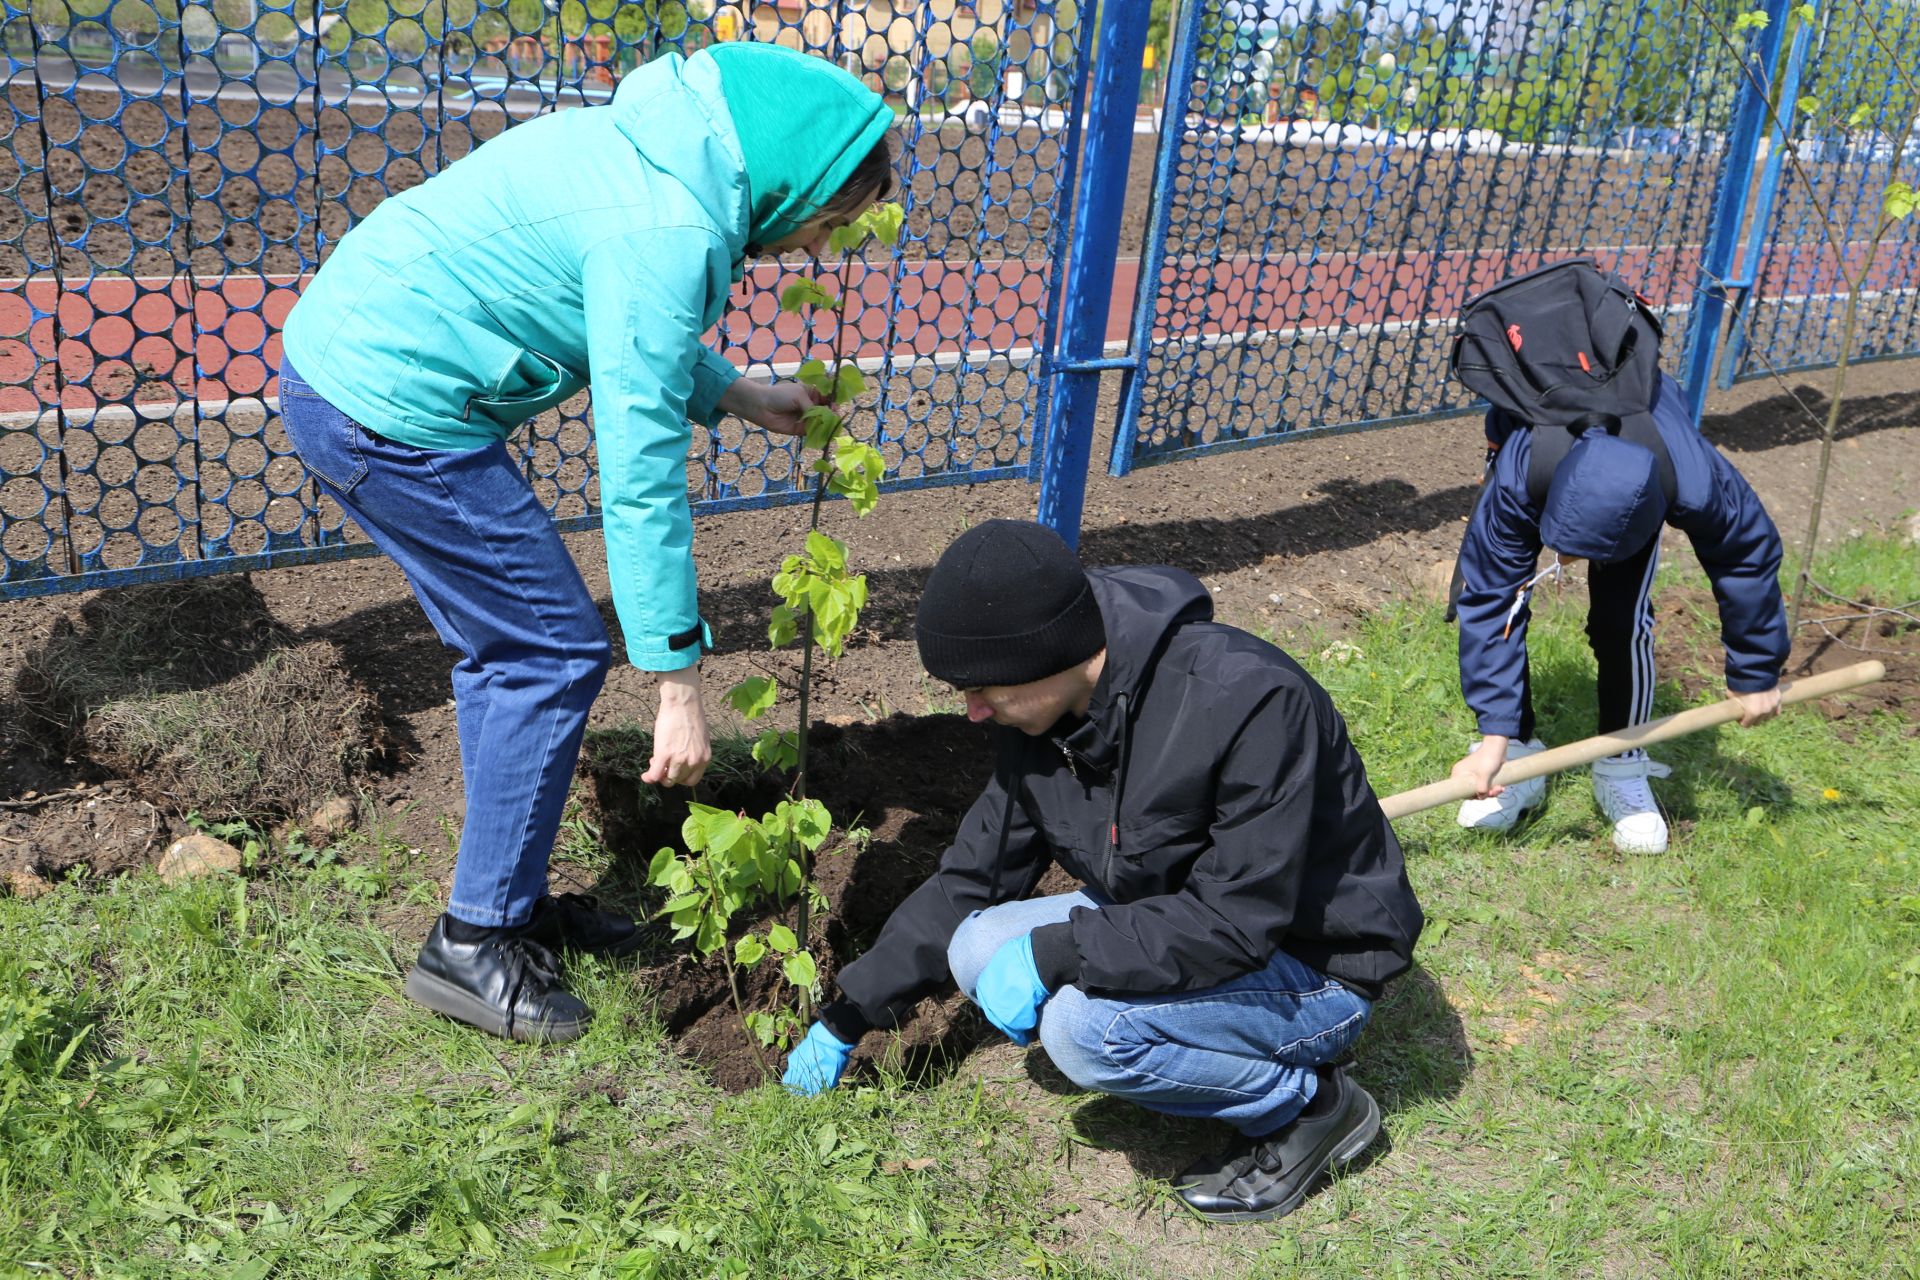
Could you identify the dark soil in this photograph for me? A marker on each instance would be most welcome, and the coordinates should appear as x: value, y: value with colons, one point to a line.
x: 907, y: 780
x: 1831, y: 636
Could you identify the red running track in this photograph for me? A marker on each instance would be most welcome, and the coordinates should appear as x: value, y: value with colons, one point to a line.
x: 121, y: 340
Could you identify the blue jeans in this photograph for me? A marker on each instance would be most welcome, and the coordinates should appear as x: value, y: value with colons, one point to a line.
x: 498, y: 585
x: 1243, y: 1052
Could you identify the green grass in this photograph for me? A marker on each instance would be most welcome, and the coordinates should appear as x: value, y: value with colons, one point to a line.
x: 1703, y: 1064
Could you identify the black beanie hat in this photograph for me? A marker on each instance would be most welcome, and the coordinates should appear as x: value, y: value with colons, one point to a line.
x: 1008, y: 603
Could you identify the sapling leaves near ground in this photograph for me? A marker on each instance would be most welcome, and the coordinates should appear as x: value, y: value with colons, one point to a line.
x: 734, y: 862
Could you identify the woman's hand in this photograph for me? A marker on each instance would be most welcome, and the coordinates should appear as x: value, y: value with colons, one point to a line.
x: 1481, y: 764
x: 680, y: 746
x: 777, y: 407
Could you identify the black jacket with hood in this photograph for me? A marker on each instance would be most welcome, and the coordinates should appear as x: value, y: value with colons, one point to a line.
x: 1211, y: 793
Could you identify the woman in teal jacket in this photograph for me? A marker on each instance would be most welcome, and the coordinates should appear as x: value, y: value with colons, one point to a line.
x: 593, y: 245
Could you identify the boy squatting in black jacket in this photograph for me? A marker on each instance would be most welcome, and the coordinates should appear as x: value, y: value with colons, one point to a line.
x: 1245, y: 901
x: 1607, y: 504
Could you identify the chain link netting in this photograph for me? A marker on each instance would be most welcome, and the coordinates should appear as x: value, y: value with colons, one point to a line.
x: 1336, y: 180
x: 170, y: 175
x: 1853, y: 117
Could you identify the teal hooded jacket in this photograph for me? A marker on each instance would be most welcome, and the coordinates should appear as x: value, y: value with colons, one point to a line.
x: 592, y: 245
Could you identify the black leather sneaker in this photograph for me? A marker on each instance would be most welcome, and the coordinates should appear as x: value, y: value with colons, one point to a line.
x: 1260, y: 1178
x: 506, y: 983
x: 575, y: 922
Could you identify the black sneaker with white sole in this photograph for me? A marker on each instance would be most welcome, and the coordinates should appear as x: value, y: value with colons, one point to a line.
x: 1260, y: 1178
x: 575, y: 922
x: 503, y: 982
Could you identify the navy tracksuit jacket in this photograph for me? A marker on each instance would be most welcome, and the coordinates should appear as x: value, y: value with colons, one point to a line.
x: 1713, y: 505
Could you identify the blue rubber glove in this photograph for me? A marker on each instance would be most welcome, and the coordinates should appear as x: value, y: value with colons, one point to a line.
x: 1010, y: 992
x: 816, y: 1062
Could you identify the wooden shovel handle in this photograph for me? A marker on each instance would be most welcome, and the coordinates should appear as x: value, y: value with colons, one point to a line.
x: 1587, y: 750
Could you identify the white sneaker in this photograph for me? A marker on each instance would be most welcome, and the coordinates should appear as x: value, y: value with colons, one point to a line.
x: 1620, y: 788
x: 1501, y: 812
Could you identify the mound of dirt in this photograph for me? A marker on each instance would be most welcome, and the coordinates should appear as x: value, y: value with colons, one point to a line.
x: 273, y: 741
x: 897, y: 789
x: 199, y: 700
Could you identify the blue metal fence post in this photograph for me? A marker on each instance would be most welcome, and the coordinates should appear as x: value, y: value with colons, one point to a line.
x: 1730, y: 207
x: 1099, y: 198
x: 1764, y: 202
x: 1182, y: 71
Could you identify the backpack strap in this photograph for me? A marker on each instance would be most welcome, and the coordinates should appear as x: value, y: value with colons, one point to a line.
x: 1550, y: 448
x: 1645, y: 432
x: 1552, y: 444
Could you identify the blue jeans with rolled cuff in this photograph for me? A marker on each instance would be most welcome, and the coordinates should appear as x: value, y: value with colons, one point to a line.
x: 487, y: 565
x: 1243, y: 1052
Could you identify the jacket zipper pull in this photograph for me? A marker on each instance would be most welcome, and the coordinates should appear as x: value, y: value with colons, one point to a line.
x: 1113, y: 837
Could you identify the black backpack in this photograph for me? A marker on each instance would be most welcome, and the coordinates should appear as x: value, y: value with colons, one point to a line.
x: 1560, y: 349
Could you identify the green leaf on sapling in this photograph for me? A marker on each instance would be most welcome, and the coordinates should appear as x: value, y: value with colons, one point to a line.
x: 821, y: 424
x: 1806, y: 105
x: 698, y: 828
x: 781, y: 939
x: 800, y: 969
x: 813, y: 373
x: 1755, y: 20
x: 858, y: 469
x: 884, y: 221
x: 784, y: 627
x: 848, y: 237
x: 1804, y: 12
x: 805, y: 293
x: 1859, y: 116
x: 660, y: 870
x: 1899, y: 201
x: 749, y: 951
x: 811, y: 823
x: 753, y: 697
x: 848, y: 383
x: 776, y: 750
x: 827, y: 553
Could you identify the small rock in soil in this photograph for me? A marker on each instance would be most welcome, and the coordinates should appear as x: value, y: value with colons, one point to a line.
x: 197, y: 855
x: 333, y: 819
x: 26, y: 885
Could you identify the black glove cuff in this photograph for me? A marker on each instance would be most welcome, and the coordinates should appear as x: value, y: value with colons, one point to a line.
x: 1055, y: 956
x: 844, y: 1019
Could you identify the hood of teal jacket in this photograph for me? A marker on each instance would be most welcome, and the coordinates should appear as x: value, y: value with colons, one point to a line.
x: 804, y: 125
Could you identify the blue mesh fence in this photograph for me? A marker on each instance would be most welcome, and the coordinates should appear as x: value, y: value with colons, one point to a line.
x: 1851, y: 114
x: 1332, y: 178
x: 171, y: 174
x: 1335, y: 179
